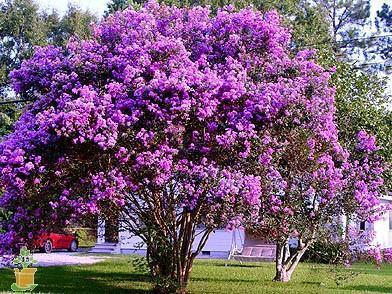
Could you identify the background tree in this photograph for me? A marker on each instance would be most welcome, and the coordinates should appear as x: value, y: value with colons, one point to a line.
x: 118, y: 5
x: 23, y: 26
x: 20, y: 29
x: 8, y: 115
x: 75, y: 22
x: 384, y: 28
x: 347, y: 19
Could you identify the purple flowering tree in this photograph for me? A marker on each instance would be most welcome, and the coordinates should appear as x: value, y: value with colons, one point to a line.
x: 175, y: 120
x: 311, y: 186
x: 140, y: 121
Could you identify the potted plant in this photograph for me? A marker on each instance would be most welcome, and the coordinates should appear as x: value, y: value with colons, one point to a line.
x: 25, y: 275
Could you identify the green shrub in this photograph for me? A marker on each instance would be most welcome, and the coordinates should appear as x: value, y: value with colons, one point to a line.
x: 328, y: 252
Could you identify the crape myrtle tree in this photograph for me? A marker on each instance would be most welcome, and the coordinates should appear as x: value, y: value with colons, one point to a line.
x: 175, y: 119
x: 310, y: 184
x: 143, y: 119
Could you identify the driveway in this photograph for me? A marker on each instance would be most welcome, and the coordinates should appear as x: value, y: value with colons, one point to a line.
x: 67, y: 258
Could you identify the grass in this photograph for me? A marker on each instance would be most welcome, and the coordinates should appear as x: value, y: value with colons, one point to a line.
x: 117, y: 275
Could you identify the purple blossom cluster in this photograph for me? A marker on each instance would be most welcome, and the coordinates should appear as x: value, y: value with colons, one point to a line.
x: 366, y: 142
x: 211, y: 112
x: 377, y: 255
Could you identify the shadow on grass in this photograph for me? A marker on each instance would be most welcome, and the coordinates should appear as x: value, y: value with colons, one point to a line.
x: 237, y: 265
x: 372, y: 272
x: 224, y: 280
x: 82, y: 280
x: 368, y: 288
x: 312, y: 283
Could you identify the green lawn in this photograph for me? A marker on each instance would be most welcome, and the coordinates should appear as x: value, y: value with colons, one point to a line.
x: 117, y: 275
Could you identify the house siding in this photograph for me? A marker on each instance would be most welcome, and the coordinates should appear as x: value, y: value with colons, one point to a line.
x: 220, y: 241
x: 218, y: 245
x: 380, y: 228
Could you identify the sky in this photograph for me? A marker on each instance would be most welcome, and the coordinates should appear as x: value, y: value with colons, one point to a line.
x: 95, y: 6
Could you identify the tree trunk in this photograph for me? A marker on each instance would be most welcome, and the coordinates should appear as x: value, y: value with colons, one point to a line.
x: 168, y: 276
x: 282, y: 255
x: 171, y: 260
x: 182, y: 285
x: 286, y: 263
x: 282, y: 275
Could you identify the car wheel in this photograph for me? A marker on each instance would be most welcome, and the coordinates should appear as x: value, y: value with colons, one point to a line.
x: 73, y: 247
x: 48, y: 246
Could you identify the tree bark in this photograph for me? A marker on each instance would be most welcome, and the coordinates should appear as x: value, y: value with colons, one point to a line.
x: 171, y: 256
x: 285, y: 263
x: 280, y: 263
x: 282, y: 275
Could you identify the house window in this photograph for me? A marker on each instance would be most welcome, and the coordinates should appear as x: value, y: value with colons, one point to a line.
x: 362, y: 226
x: 390, y: 220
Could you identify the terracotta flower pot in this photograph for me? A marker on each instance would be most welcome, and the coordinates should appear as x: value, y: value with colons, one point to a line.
x: 25, y: 277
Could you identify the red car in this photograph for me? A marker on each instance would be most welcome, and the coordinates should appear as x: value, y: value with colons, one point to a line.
x: 50, y: 241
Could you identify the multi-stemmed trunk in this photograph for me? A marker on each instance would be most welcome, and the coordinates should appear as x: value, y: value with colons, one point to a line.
x: 171, y: 247
x: 286, y: 262
x: 171, y: 265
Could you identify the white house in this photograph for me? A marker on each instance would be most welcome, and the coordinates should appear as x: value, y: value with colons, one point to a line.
x: 218, y: 245
x: 221, y: 241
x: 382, y: 228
